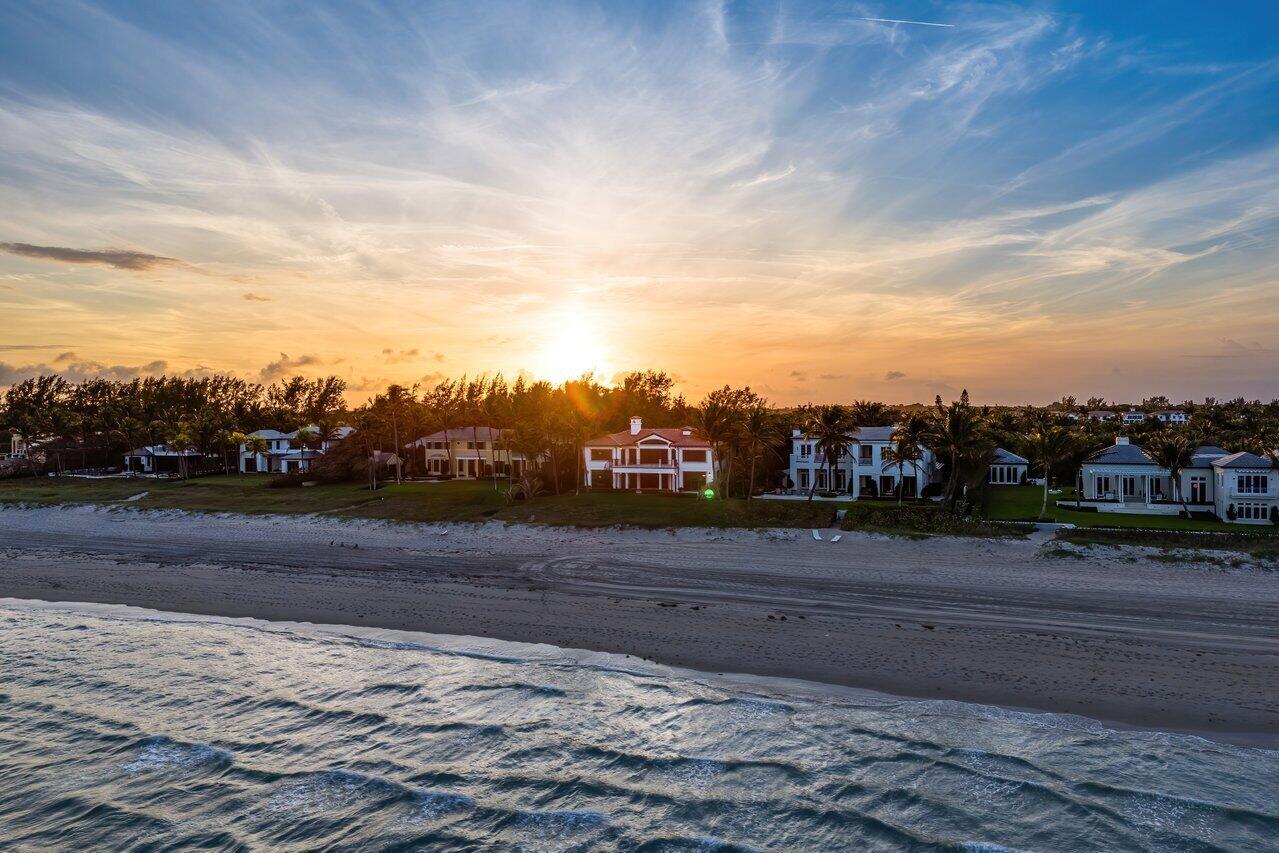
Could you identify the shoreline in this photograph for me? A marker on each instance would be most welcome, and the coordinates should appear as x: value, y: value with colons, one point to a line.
x: 1116, y: 637
x: 771, y: 688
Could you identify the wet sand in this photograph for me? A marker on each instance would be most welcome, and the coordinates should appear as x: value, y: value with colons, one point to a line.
x: 1111, y: 635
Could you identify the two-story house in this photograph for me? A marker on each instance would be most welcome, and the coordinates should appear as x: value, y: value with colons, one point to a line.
x: 861, y: 469
x: 467, y: 453
x: 282, y: 454
x: 668, y: 459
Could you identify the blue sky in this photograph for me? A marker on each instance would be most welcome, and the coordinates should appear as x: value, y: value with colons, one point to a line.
x: 882, y: 200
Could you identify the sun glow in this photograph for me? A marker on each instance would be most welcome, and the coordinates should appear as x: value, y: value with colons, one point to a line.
x: 572, y: 347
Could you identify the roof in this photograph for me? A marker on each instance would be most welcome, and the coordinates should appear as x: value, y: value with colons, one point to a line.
x: 268, y: 434
x: 1171, y: 412
x: 1007, y: 457
x: 161, y: 450
x: 1243, y: 459
x: 674, y: 435
x: 1119, y: 454
x: 870, y: 433
x: 1206, y: 453
x: 463, y: 433
x: 1097, y: 413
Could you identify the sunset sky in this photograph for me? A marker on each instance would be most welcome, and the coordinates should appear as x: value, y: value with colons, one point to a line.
x: 871, y: 200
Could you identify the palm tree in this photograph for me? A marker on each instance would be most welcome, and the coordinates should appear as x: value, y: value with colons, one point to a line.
x: 760, y: 431
x: 227, y: 439
x: 1176, y: 454
x: 903, y: 451
x: 1049, y: 446
x: 830, y: 428
x: 306, y: 438
x: 715, y: 420
x: 958, y: 436
x: 258, y: 446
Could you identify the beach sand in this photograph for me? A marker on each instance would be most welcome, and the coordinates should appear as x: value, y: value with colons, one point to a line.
x: 1110, y: 634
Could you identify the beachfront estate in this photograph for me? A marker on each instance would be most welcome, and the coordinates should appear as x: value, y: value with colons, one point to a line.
x: 467, y: 453
x: 269, y: 451
x: 666, y: 459
x: 1236, y: 487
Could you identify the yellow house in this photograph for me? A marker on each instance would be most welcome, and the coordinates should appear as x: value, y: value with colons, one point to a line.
x: 479, y: 451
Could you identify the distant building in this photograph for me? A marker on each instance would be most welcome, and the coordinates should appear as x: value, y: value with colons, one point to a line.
x: 281, y: 457
x: 667, y: 459
x: 1102, y: 415
x: 1173, y: 417
x: 156, y: 459
x: 1238, y: 487
x: 467, y: 453
x: 1007, y: 468
x: 1133, y: 416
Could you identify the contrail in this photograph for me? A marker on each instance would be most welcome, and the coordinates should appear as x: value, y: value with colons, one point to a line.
x: 895, y: 21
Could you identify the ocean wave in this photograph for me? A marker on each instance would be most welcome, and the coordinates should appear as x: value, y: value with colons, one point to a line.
x: 160, y: 753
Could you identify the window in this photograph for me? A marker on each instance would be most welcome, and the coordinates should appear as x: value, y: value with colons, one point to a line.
x: 1103, y: 486
x: 694, y: 455
x: 865, y: 453
x: 1252, y: 512
x: 601, y: 454
x: 805, y: 450
x: 1253, y: 484
x: 1198, y: 490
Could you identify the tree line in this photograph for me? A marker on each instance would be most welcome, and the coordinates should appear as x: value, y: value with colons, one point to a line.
x: 92, y: 423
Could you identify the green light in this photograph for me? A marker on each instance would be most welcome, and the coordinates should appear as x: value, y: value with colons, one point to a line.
x: 708, y: 494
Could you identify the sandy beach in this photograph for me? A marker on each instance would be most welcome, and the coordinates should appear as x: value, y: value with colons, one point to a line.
x: 1109, y: 634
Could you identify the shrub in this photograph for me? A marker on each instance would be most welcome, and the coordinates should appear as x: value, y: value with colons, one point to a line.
x: 287, y: 481
x: 924, y: 519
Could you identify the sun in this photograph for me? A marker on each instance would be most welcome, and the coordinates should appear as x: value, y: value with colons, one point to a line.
x: 572, y: 348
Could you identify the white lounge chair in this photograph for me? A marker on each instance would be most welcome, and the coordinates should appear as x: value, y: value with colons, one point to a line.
x: 836, y: 537
x: 817, y: 536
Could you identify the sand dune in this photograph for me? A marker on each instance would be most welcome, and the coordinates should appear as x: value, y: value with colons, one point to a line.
x: 1111, y: 635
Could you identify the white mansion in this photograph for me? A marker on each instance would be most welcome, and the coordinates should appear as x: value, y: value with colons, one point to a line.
x: 861, y: 470
x: 1240, y: 487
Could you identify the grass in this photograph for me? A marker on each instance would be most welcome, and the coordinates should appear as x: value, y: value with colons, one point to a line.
x: 1022, y: 503
x: 459, y: 500
x: 925, y: 519
x: 1263, y: 546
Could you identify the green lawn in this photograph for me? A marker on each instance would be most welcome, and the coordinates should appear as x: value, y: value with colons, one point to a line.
x: 460, y: 500
x: 1022, y: 503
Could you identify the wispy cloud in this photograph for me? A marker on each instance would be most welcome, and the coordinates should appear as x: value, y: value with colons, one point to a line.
x: 121, y: 259
x: 798, y: 185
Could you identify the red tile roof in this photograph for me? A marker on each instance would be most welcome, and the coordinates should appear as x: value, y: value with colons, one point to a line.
x: 675, y: 435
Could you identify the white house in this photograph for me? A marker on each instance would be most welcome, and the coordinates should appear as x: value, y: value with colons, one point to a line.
x: 1123, y: 478
x: 1246, y: 489
x: 467, y: 452
x: 1007, y: 468
x: 1173, y: 417
x: 163, y: 459
x: 18, y: 447
x: 668, y: 459
x: 1102, y: 415
x: 861, y: 470
x: 280, y: 456
x: 1133, y: 416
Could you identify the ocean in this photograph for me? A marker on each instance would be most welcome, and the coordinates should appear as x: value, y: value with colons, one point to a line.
x: 123, y: 729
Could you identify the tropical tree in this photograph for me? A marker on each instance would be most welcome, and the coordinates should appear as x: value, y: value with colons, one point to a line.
x: 1049, y: 447
x: 257, y: 445
x: 902, y: 452
x: 957, y: 435
x: 760, y: 432
x: 830, y: 427
x: 1175, y: 453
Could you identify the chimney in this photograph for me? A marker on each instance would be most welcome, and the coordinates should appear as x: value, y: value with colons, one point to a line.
x: 687, y: 431
x: 637, y: 423
x: 1123, y: 439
